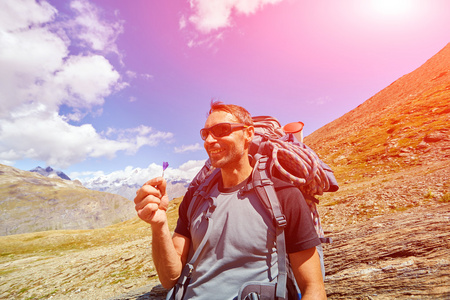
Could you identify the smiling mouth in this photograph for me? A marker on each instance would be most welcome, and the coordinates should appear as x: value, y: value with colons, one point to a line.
x: 215, y: 151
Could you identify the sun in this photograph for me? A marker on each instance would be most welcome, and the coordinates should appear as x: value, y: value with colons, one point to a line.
x: 392, y: 8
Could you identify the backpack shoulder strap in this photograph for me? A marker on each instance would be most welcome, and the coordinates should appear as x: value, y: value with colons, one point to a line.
x: 263, y: 186
x: 200, y: 195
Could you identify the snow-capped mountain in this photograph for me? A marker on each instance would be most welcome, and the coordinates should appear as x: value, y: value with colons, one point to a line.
x: 49, y: 172
x: 175, y: 189
x: 126, y: 182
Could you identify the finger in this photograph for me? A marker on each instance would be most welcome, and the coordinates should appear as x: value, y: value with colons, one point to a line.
x: 158, y: 182
x: 147, y: 213
x: 145, y: 191
x: 149, y: 200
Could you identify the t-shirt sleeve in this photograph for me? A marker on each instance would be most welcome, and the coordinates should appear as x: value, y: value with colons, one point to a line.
x: 183, y: 221
x: 300, y: 233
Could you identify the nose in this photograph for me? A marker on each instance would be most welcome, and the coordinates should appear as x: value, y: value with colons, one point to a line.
x: 210, y: 138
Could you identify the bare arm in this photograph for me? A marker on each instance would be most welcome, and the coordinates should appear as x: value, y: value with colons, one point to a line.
x: 307, y: 272
x: 169, y: 253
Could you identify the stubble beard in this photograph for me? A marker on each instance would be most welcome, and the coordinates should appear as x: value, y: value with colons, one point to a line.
x: 228, y: 160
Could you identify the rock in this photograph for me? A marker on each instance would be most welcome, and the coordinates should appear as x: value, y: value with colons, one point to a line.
x: 128, y: 256
x: 398, y: 256
x: 150, y: 292
x: 423, y: 145
x: 436, y: 136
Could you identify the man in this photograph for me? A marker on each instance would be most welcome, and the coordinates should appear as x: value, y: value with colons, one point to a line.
x: 241, y: 247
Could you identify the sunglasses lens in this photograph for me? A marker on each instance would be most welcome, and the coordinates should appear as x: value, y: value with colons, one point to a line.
x: 204, y: 133
x: 221, y: 130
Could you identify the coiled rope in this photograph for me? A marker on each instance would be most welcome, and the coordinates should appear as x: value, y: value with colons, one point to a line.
x: 300, y: 165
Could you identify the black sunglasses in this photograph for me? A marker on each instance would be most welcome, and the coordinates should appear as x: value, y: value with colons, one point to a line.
x: 221, y: 129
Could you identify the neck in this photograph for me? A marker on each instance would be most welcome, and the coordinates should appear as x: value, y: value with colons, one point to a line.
x: 233, y: 176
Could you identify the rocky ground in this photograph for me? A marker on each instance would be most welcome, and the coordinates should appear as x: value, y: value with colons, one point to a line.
x: 97, y: 273
x: 420, y: 186
x: 391, y: 240
x: 396, y: 256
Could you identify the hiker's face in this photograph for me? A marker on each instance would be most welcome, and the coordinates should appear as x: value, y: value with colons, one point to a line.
x: 227, y: 151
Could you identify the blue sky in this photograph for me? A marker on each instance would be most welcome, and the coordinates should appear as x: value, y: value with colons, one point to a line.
x: 106, y: 86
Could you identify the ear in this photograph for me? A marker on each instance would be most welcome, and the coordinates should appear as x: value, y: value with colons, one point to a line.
x: 250, y: 132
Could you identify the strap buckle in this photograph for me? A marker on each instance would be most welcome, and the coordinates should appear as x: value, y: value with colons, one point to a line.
x: 262, y: 162
x: 191, y: 269
x: 281, y: 221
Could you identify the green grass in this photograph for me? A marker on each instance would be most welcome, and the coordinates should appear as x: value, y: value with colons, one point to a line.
x: 23, y: 290
x: 56, y: 241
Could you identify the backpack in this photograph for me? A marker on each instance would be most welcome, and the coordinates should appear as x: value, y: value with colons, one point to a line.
x: 287, y: 159
x: 272, y: 153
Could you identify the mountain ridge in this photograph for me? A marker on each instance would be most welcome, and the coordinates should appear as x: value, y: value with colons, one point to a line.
x: 50, y: 172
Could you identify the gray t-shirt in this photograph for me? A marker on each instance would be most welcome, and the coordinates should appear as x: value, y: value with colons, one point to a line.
x: 242, y: 237
x: 242, y: 244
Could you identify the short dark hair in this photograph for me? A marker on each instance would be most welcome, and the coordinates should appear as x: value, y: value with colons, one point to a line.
x: 240, y: 113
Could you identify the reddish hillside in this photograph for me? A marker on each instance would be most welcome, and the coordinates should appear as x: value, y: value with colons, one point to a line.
x: 402, y: 125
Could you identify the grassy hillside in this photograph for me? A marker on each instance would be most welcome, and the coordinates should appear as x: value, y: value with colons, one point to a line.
x: 49, y: 242
x: 79, y: 264
x: 30, y: 202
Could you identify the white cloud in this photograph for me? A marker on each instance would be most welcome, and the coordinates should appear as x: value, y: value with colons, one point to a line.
x: 90, y: 28
x: 182, y: 22
x: 320, y: 101
x: 20, y: 14
x: 43, y: 136
x: 211, y: 15
x: 86, y: 175
x: 186, y: 148
x: 138, y: 136
x: 28, y: 59
x: 187, y: 171
x: 53, y: 140
x: 147, y: 76
x: 48, y: 62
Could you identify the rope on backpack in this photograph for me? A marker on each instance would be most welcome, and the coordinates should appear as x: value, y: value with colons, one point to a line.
x: 300, y: 165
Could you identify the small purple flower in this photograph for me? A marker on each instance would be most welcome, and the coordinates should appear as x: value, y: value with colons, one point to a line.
x: 165, y: 165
